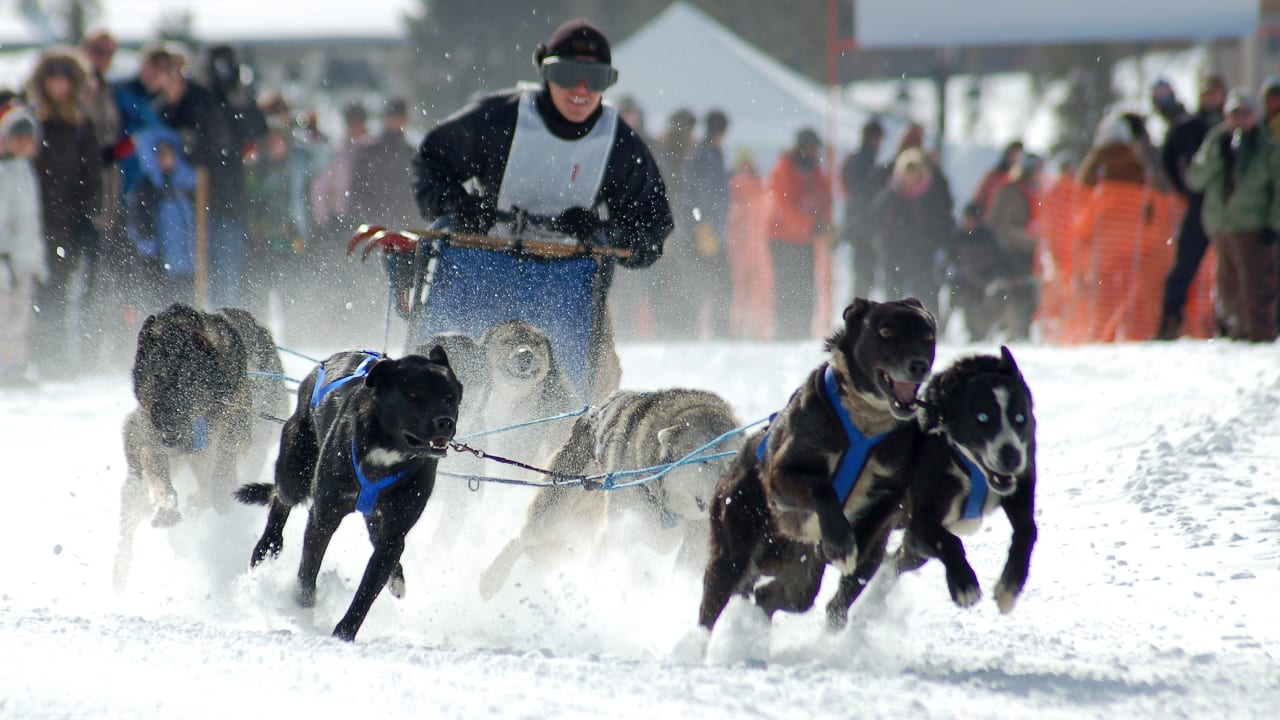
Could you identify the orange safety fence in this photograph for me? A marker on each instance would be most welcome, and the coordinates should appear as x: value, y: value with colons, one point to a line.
x: 1105, y: 253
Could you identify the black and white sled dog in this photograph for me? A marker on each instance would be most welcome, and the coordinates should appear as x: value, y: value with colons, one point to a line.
x: 470, y: 362
x: 525, y: 383
x: 977, y: 453
x: 629, y: 431
x: 205, y: 384
x: 365, y: 437
x: 826, y: 476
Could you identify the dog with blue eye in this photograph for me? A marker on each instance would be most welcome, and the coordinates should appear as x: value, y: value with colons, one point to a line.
x: 977, y: 453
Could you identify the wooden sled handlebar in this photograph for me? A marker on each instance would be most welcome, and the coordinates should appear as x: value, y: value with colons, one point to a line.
x: 375, y: 237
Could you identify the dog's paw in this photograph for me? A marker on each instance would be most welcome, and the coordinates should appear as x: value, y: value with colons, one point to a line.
x: 346, y: 631
x: 305, y: 597
x: 848, y: 561
x: 395, y: 583
x: 837, y: 616
x: 166, y: 517
x: 267, y: 548
x: 964, y: 587
x: 1007, y: 597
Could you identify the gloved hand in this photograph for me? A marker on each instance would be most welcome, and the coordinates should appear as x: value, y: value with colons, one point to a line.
x: 474, y: 215
x: 579, y: 223
x: 705, y: 238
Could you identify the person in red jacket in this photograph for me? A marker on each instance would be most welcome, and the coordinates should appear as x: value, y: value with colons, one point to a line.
x: 800, y: 220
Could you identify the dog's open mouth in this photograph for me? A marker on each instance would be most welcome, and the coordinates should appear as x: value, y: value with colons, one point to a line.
x: 1002, y: 484
x: 902, y: 395
x: 435, y: 447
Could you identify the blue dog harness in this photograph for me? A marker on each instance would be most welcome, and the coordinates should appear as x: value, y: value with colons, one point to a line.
x: 200, y: 434
x: 322, y: 388
x: 369, y: 490
x: 855, y: 455
x: 977, y: 498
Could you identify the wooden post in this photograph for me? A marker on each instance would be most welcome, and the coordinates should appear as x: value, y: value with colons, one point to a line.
x: 202, y: 238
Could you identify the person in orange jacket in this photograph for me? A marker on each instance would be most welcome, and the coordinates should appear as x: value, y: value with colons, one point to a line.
x: 747, y: 240
x: 800, y: 221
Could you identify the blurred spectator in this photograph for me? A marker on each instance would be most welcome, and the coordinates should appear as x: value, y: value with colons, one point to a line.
x: 912, y: 221
x: 1014, y: 214
x: 672, y: 155
x: 705, y: 267
x: 331, y: 190
x: 381, y: 186
x: 800, y: 220
x: 216, y: 127
x: 161, y: 218
x: 1150, y: 155
x: 1114, y: 155
x: 112, y: 290
x: 138, y: 103
x: 1180, y: 146
x: 1238, y: 168
x: 69, y: 166
x: 863, y: 179
x: 974, y: 262
x: 997, y: 176
x: 748, y: 248
x: 275, y: 240
x: 1166, y: 102
x: 1270, y: 94
x: 22, y: 244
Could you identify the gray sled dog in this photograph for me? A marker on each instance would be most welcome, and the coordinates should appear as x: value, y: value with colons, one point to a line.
x: 203, y: 382
x: 631, y: 430
x: 525, y: 383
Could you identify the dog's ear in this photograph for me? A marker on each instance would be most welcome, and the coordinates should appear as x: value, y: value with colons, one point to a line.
x: 1006, y: 362
x: 857, y: 310
x: 914, y: 302
x: 378, y: 371
x: 439, y: 356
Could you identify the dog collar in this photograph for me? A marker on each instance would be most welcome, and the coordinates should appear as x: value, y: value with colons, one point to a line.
x: 369, y: 490
x: 855, y: 454
x: 977, y: 498
x: 322, y: 388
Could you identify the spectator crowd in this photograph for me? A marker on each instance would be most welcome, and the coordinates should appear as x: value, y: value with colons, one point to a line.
x: 108, y: 188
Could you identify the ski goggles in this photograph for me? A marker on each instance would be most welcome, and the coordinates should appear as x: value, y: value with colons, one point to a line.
x: 567, y: 73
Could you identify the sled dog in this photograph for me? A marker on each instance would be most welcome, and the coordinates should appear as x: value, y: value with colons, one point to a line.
x: 365, y: 437
x: 204, y: 382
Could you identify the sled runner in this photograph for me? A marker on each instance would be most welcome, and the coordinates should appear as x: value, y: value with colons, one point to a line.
x: 447, y: 281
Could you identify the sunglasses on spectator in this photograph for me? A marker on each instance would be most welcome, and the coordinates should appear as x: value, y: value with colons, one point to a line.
x: 59, y: 70
x: 568, y: 73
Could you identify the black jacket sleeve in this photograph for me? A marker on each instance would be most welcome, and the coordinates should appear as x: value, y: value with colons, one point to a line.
x: 470, y: 145
x: 636, y: 197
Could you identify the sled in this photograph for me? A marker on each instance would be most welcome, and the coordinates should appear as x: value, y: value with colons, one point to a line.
x: 458, y: 282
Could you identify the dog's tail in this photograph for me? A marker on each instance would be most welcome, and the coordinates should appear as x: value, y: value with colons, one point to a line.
x: 255, y: 493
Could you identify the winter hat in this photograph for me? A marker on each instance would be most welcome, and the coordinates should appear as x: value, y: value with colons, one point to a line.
x: 1113, y: 129
x: 1162, y: 94
x: 17, y: 119
x: 575, y: 39
x: 1240, y: 99
x: 1270, y: 85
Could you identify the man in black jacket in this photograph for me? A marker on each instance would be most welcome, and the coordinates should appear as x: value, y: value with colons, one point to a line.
x: 1180, y: 145
x: 557, y: 154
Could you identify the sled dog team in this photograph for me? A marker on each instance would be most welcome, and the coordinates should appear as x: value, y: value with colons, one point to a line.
x: 869, y: 443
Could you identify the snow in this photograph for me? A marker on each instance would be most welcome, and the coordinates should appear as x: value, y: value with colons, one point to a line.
x: 1152, y: 589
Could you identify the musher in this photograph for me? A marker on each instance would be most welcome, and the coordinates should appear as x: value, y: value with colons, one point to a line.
x: 558, y: 162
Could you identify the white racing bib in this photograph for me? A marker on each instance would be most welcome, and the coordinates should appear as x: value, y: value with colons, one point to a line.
x: 546, y: 175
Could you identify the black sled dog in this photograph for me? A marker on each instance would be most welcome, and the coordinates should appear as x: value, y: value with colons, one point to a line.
x: 977, y: 453
x: 206, y: 385
x: 365, y: 437
x: 826, y: 476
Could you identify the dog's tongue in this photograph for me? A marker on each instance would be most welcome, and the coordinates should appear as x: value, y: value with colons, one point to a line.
x: 905, y: 392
